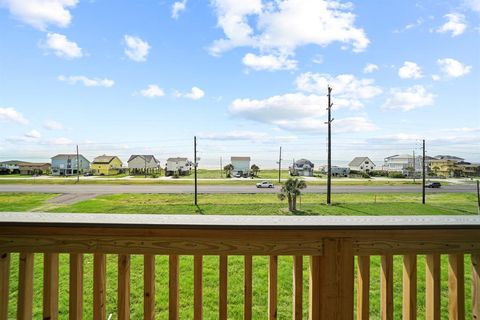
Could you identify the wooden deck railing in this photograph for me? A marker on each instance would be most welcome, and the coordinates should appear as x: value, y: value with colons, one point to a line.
x: 330, y: 243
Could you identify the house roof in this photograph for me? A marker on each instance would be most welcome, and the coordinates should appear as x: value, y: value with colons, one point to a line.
x: 448, y: 157
x: 66, y: 156
x: 177, y: 159
x: 301, y: 162
x: 146, y: 157
x: 240, y: 158
x: 34, y: 164
x: 358, y: 161
x: 14, y: 162
x: 405, y: 155
x: 104, y: 159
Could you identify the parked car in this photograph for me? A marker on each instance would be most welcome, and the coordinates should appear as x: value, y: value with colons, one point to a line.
x: 88, y: 174
x: 433, y: 185
x: 264, y: 184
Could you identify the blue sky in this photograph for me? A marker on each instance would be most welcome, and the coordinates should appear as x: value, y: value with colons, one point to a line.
x: 246, y: 77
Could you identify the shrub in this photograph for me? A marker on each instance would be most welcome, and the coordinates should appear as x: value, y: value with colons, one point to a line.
x: 396, y: 175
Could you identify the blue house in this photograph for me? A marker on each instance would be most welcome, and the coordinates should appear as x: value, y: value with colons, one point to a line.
x: 66, y: 164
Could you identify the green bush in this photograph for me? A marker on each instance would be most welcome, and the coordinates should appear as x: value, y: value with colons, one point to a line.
x: 398, y: 175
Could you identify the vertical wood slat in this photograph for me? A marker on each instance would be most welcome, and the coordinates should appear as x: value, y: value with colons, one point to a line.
x: 148, y: 287
x: 197, y: 287
x: 314, y: 288
x: 410, y: 287
x: 50, y: 286
x: 99, y: 286
x: 247, y: 284
x: 432, y: 287
x: 223, y: 288
x: 476, y: 286
x: 25, y: 286
x: 363, y: 290
x: 297, y: 287
x: 4, y: 284
x: 174, y: 269
x: 75, y: 308
x: 456, y: 287
x: 272, y: 288
x: 386, y: 282
x: 123, y: 287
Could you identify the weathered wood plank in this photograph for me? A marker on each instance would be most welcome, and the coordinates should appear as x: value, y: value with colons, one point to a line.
x: 314, y: 288
x: 123, y: 287
x: 272, y: 288
x: 4, y: 284
x: 174, y: 271
x: 476, y: 286
x: 410, y: 287
x: 149, y: 287
x: 297, y: 287
x: 363, y: 290
x: 198, y: 287
x: 50, y: 286
x: 25, y: 286
x: 75, y: 309
x: 386, y: 283
x: 223, y: 288
x: 420, y: 246
x: 456, y: 287
x: 99, y: 286
x: 247, y: 291
x: 432, y: 287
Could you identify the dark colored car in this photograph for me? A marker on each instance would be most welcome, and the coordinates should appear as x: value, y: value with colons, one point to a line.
x: 433, y: 185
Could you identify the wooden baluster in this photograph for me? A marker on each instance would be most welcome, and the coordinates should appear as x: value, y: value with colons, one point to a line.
x: 75, y: 308
x: 272, y: 288
x: 247, y: 295
x: 386, y: 296
x: 363, y: 290
x: 148, y: 287
x: 123, y: 286
x: 198, y: 287
x: 4, y: 284
x: 174, y: 270
x: 223, y: 288
x: 456, y: 287
x: 476, y: 286
x: 25, y: 286
x: 298, y: 287
x: 50, y: 286
x: 432, y: 287
x: 314, y: 288
x: 410, y: 287
x: 99, y: 286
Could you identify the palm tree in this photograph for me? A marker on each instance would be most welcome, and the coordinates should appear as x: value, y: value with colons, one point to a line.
x: 290, y: 190
x: 255, y: 169
x: 228, y: 170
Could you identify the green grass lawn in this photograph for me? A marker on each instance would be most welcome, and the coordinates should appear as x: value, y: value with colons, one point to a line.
x: 23, y: 201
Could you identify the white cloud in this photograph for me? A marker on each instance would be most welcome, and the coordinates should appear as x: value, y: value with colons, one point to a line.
x: 53, y: 125
x: 370, y: 67
x: 152, y: 91
x: 318, y: 59
x: 409, y: 99
x: 436, y: 77
x: 253, y: 136
x: 473, y: 5
x: 34, y: 134
x: 88, y: 82
x: 137, y: 49
x: 268, y: 62
x: 62, y: 47
x: 12, y: 115
x: 410, y: 70
x: 343, y: 125
x: 453, y: 68
x: 41, y: 13
x: 178, y: 7
x: 194, y: 94
x: 455, y: 24
x: 60, y: 141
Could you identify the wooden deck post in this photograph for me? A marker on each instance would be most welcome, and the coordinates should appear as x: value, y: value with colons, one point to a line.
x: 4, y: 284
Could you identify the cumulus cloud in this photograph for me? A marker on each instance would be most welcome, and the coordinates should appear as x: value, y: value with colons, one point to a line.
x: 455, y: 24
x: 370, y: 67
x: 34, y: 134
x: 88, y: 82
x: 62, y: 47
x: 410, y: 70
x: 268, y: 62
x: 178, y: 7
x: 152, y: 91
x: 453, y: 68
x: 12, y: 115
x: 41, y: 13
x: 53, y: 125
x: 473, y: 5
x: 194, y: 94
x: 136, y: 48
x: 409, y: 99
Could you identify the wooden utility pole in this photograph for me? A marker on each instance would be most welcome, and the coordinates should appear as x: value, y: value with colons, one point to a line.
x: 78, y: 166
x: 414, y: 166
x: 478, y: 196
x: 195, y: 165
x: 221, y: 168
x: 145, y: 169
x: 280, y: 165
x: 423, y: 173
x: 329, y: 148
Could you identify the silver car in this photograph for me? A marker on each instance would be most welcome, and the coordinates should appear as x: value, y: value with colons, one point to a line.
x: 265, y: 184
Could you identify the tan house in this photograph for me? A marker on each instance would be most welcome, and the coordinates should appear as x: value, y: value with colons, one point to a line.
x: 34, y: 168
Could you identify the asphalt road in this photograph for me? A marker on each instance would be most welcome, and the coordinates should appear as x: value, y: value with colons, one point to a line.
x: 114, y: 189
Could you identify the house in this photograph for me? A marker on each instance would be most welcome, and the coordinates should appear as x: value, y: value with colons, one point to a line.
x: 241, y: 166
x: 302, y: 167
x: 362, y: 164
x: 107, y: 165
x: 448, y: 157
x: 34, y: 168
x: 66, y: 164
x: 469, y: 169
x: 181, y: 166
x: 450, y: 168
x: 138, y: 163
x: 11, y: 166
x: 336, y: 171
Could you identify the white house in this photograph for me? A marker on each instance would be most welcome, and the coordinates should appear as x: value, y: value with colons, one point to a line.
x: 180, y: 165
x: 302, y: 167
x: 363, y: 164
x: 336, y: 171
x: 140, y: 163
x: 241, y: 165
